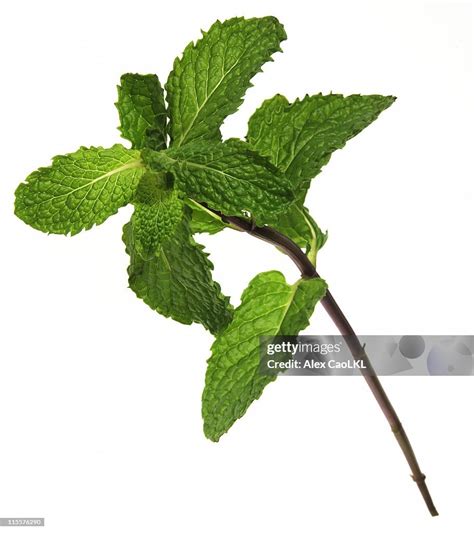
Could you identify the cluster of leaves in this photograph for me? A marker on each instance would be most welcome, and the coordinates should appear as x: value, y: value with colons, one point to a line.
x: 178, y: 173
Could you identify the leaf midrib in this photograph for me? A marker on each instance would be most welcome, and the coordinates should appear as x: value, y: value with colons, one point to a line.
x: 208, y: 97
x: 286, y: 307
x: 134, y: 164
x: 211, y: 169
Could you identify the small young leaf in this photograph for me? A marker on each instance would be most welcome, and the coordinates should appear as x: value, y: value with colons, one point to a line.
x: 299, y: 138
x: 158, y: 212
x: 233, y: 381
x: 79, y: 190
x: 177, y: 281
x: 202, y: 221
x: 209, y: 81
x: 142, y: 111
x: 300, y: 227
x: 228, y: 177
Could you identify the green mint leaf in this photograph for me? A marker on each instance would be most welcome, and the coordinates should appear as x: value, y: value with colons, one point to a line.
x: 300, y: 227
x: 79, y: 190
x: 299, y: 138
x: 228, y: 177
x: 177, y: 282
x: 233, y: 381
x: 142, y: 111
x: 209, y: 81
x: 203, y: 221
x: 158, y: 212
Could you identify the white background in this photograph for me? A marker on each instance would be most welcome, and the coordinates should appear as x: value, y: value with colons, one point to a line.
x: 100, y: 397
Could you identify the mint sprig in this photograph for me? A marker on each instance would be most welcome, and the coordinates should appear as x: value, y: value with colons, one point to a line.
x: 182, y: 179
